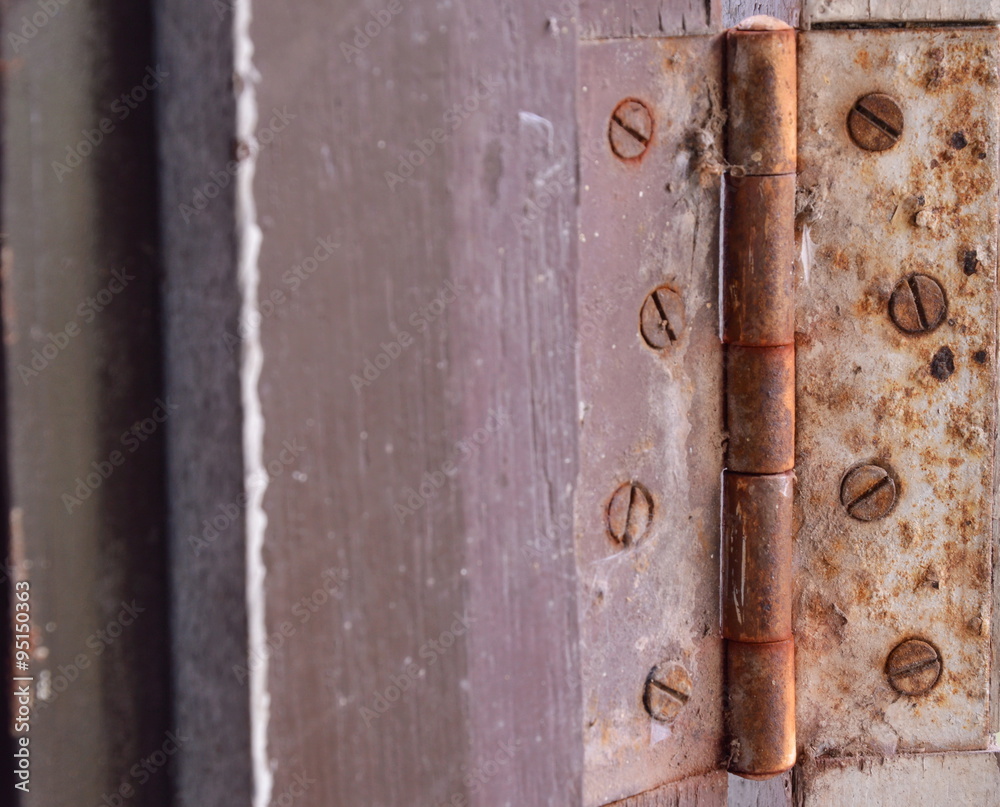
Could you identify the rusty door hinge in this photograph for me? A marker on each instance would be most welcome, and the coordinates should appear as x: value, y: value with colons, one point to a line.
x: 759, y: 334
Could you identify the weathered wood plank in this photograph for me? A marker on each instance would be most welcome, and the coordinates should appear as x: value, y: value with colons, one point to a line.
x: 476, y: 405
x: 817, y: 12
x: 707, y: 790
x: 610, y: 19
x: 894, y: 781
x: 776, y: 792
x: 786, y: 10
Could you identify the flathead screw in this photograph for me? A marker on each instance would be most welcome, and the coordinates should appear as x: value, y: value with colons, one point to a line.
x: 661, y: 319
x: 875, y: 122
x: 668, y: 688
x: 630, y: 512
x: 630, y: 129
x: 868, y: 492
x: 917, y: 304
x: 913, y: 667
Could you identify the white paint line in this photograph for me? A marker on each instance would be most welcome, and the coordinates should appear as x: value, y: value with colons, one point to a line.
x: 255, y: 478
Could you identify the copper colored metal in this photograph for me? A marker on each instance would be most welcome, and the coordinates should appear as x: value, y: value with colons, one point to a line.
x: 757, y: 565
x: 761, y: 686
x: 762, y: 101
x: 668, y: 689
x: 760, y: 401
x: 758, y: 263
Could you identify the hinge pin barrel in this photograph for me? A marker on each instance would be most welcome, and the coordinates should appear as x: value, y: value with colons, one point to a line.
x: 759, y: 331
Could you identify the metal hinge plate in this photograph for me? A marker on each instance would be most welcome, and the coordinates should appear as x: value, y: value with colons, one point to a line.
x: 921, y: 406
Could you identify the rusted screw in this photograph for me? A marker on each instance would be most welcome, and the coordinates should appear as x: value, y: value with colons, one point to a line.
x: 661, y: 318
x: 668, y: 688
x: 875, y: 122
x: 917, y: 304
x: 630, y: 129
x: 868, y: 492
x: 629, y: 513
x: 913, y: 667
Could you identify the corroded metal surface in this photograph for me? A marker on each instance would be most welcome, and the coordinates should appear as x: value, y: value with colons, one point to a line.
x: 760, y: 137
x: 650, y: 415
x: 921, y: 404
x: 759, y: 261
x: 757, y: 557
x: 761, y: 707
x: 760, y: 409
x: 758, y: 329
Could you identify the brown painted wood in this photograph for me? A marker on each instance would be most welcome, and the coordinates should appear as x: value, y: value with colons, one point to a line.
x: 490, y: 211
x: 80, y: 283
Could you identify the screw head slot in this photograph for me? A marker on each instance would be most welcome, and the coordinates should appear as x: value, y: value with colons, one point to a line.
x: 630, y: 129
x: 875, y: 122
x: 661, y: 319
x: 868, y: 492
x: 918, y: 304
x: 630, y: 512
x: 668, y: 689
x: 913, y: 667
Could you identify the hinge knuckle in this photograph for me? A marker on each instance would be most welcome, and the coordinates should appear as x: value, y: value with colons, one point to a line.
x: 759, y: 332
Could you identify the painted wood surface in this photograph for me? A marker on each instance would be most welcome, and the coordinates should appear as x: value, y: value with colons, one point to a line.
x: 437, y: 152
x: 81, y: 339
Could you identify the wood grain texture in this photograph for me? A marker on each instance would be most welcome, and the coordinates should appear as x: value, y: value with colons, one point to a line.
x: 786, y: 10
x: 81, y: 344
x: 708, y: 790
x: 202, y: 304
x: 959, y: 779
x: 493, y: 716
x: 618, y: 19
x: 776, y: 792
x: 878, y: 11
